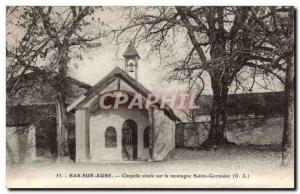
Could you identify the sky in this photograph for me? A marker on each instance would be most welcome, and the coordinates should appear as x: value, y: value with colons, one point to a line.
x: 98, y: 62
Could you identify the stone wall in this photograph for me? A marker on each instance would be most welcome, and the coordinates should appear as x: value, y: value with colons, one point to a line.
x: 261, y: 131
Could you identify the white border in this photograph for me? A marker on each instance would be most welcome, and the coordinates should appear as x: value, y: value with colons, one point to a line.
x: 3, y: 4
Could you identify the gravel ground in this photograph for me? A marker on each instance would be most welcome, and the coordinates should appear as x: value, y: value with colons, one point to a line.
x: 225, y: 168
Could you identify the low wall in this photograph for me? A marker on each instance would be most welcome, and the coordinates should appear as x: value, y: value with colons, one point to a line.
x: 35, y: 141
x: 31, y: 132
x: 20, y: 144
x: 262, y: 131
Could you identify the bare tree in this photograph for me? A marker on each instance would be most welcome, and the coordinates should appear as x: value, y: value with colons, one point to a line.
x: 51, y: 33
x: 282, y: 38
x: 222, y: 41
x: 287, y: 50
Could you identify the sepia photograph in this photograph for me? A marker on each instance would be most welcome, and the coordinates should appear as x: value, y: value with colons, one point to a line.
x: 150, y: 97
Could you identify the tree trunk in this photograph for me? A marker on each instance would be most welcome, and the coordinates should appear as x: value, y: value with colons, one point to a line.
x: 216, y: 137
x: 288, y: 132
x: 220, y: 82
x: 62, y: 129
x: 62, y: 121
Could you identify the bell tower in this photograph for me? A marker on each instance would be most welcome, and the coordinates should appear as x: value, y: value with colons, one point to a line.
x: 131, y: 60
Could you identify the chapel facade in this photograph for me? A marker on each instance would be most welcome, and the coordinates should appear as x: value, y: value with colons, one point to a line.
x: 122, y: 133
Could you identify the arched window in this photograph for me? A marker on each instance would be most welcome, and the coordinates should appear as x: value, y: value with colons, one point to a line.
x: 146, y: 137
x: 110, y: 137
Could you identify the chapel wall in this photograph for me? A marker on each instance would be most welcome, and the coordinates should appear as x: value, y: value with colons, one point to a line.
x: 164, y: 135
x: 102, y: 119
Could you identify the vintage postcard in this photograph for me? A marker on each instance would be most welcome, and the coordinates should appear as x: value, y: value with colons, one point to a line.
x: 150, y: 97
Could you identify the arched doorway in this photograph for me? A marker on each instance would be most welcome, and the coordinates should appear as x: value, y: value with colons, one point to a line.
x: 129, y: 140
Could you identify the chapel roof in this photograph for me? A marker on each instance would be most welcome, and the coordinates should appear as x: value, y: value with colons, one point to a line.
x: 109, y: 78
